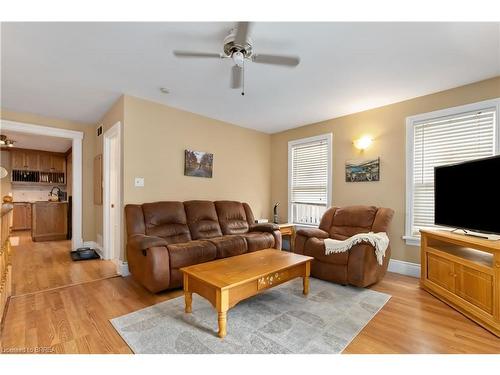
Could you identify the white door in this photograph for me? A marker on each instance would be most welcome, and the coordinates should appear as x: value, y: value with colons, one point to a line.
x: 112, y: 202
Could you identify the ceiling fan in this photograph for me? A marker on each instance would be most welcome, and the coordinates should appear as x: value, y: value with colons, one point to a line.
x: 238, y: 47
x: 5, y: 141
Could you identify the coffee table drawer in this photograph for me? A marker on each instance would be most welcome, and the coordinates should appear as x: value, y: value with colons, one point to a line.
x: 276, y: 278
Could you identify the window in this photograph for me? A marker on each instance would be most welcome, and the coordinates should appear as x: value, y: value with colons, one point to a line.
x: 439, y: 138
x: 309, y: 179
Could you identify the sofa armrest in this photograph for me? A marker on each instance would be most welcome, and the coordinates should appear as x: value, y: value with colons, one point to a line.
x: 312, y: 232
x: 142, y: 242
x: 264, y: 227
x: 363, y: 268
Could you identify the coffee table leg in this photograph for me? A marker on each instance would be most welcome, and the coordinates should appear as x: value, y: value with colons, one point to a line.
x: 305, y: 278
x: 305, y: 284
x: 188, y: 298
x: 222, y: 323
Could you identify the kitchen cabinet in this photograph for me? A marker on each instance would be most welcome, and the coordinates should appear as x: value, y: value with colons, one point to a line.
x: 21, y: 219
x: 45, y: 162
x: 32, y: 167
x: 52, y: 163
x: 50, y: 221
x: 25, y: 160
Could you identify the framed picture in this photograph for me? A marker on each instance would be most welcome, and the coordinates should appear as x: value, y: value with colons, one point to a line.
x: 362, y: 170
x: 198, y: 163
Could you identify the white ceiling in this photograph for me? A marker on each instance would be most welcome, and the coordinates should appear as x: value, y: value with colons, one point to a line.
x: 37, y: 142
x: 76, y: 71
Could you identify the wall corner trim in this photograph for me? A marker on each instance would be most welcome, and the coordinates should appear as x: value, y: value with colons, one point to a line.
x: 404, y: 268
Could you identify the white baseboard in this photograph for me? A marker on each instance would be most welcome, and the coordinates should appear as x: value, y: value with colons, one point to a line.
x: 122, y: 268
x: 404, y: 268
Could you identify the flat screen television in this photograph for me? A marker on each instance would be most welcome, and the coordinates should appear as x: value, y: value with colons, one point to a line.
x: 467, y: 195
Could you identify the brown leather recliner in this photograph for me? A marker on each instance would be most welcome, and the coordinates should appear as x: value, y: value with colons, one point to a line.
x: 357, y: 266
x: 166, y: 236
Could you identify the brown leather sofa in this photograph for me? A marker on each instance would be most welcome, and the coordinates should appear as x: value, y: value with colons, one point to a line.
x: 358, y: 266
x: 163, y: 237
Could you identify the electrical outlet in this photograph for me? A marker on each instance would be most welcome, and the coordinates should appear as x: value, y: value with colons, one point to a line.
x: 139, y: 182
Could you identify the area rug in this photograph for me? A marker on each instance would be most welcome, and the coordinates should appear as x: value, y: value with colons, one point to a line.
x: 280, y: 320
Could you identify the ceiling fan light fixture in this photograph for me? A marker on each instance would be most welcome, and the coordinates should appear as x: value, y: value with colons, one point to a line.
x: 4, y: 141
x: 238, y: 58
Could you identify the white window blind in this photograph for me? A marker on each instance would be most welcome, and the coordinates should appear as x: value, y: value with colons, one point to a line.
x: 309, y: 180
x: 442, y: 141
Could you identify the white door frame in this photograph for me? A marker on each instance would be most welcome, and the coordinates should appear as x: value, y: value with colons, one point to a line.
x: 77, y: 138
x: 108, y: 253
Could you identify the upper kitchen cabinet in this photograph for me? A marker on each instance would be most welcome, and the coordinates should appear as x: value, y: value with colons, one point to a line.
x: 52, y: 163
x: 38, y: 167
x: 25, y: 160
x: 58, y: 164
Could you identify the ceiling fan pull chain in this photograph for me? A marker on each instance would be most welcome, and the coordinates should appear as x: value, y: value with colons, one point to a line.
x: 243, y: 78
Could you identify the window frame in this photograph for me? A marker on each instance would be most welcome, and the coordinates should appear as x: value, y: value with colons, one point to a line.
x: 409, y: 237
x: 328, y: 137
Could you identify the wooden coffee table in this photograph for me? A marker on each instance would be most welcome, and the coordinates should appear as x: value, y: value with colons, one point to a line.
x: 225, y: 282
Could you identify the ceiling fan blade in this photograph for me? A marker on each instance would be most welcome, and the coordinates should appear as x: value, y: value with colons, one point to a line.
x: 197, y: 54
x: 276, y: 60
x: 236, y: 77
x: 242, y: 29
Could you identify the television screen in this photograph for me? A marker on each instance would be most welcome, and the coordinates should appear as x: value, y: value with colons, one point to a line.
x: 467, y: 195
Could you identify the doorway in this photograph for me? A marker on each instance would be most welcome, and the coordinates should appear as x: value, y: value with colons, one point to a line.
x: 112, y: 197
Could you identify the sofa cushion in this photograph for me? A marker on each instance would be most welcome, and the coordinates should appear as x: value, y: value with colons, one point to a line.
x: 228, y: 246
x: 202, y: 219
x: 315, y: 247
x: 189, y: 253
x: 166, y: 220
x: 348, y: 221
x: 259, y: 240
x: 232, y: 217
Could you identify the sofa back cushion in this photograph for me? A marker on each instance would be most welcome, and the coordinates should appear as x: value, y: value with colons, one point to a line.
x: 351, y: 220
x: 232, y: 217
x: 166, y: 220
x: 202, y: 219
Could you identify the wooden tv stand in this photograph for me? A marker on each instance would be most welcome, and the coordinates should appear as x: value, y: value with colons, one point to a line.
x: 464, y: 272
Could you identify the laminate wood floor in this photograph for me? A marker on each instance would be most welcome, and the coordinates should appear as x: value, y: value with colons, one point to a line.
x: 40, y: 266
x: 75, y: 319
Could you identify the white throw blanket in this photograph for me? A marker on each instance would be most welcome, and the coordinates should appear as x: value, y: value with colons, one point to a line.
x: 379, y: 241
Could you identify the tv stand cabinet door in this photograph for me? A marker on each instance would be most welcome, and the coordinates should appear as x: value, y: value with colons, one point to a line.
x: 441, y: 272
x: 475, y: 287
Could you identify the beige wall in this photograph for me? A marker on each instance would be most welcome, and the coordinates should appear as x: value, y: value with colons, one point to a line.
x: 88, y: 228
x: 155, y: 137
x: 387, y: 126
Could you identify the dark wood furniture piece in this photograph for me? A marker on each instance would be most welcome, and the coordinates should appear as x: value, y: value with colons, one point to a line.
x: 49, y: 221
x: 288, y: 229
x: 225, y: 282
x: 464, y: 272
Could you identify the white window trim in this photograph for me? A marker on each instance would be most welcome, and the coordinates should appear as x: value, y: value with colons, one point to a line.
x: 410, y: 123
x: 328, y: 137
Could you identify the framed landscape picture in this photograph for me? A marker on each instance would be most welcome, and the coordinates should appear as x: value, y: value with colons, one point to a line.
x: 198, y: 163
x: 362, y: 170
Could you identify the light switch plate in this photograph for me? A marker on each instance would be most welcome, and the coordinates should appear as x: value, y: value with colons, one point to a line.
x: 139, y: 182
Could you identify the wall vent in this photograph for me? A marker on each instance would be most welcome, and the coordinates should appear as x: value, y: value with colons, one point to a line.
x: 99, y: 130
